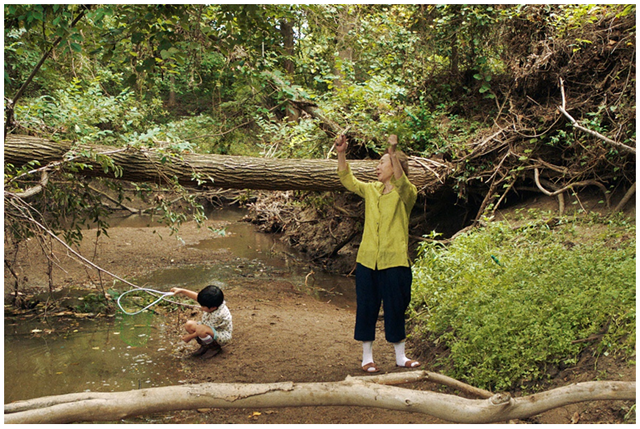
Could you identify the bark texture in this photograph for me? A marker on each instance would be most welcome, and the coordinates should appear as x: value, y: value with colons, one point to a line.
x: 214, y: 171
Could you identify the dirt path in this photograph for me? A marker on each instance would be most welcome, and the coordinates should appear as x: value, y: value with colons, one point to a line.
x: 284, y: 335
x: 280, y: 333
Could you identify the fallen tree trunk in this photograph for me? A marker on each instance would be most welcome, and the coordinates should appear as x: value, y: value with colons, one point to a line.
x: 213, y: 171
x: 354, y: 391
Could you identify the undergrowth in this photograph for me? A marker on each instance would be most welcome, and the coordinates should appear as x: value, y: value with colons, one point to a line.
x: 504, y: 304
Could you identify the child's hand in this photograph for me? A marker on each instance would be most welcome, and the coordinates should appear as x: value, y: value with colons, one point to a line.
x: 176, y: 290
x: 186, y: 338
x: 341, y: 143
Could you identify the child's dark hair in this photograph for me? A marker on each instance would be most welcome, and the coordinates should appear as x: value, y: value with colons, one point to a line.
x: 211, y: 297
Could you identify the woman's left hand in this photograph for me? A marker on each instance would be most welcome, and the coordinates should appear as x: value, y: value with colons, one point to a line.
x: 393, y: 142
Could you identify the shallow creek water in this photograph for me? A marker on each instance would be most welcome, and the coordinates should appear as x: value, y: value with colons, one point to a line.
x: 57, y: 356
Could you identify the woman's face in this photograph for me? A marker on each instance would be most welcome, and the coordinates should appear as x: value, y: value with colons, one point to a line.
x: 384, y: 170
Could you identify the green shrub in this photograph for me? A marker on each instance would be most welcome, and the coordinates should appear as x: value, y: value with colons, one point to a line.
x: 83, y: 112
x: 507, y: 303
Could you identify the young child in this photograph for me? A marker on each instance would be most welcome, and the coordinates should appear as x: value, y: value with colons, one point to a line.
x: 214, y: 330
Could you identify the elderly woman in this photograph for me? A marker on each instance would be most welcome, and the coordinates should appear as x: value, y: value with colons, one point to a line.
x: 383, y: 272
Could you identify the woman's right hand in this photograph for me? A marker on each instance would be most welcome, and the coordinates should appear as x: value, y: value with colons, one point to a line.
x: 341, y: 143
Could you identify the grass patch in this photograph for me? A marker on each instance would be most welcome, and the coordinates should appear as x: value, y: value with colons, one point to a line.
x: 506, y: 303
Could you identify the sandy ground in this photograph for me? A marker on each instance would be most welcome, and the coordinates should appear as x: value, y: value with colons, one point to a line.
x: 280, y: 333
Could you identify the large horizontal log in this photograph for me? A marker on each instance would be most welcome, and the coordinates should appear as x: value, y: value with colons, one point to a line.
x: 354, y: 391
x: 214, y: 171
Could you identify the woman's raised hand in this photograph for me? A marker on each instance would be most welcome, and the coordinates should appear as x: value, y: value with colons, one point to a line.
x: 341, y: 143
x: 393, y: 142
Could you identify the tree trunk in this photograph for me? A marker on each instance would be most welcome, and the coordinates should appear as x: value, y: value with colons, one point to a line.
x: 213, y: 171
x: 286, y: 29
x: 354, y: 391
x: 172, y: 91
x: 344, y: 44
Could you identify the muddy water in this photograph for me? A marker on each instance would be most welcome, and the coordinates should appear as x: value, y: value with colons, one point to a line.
x: 55, y: 356
x: 90, y: 356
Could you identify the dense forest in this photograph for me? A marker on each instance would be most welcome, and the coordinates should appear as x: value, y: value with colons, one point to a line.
x: 497, y: 103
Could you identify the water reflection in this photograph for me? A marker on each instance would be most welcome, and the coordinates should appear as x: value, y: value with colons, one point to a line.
x: 57, y: 355
x: 256, y: 255
x: 107, y: 354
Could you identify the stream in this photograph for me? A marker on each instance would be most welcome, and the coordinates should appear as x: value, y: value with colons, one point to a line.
x: 56, y: 355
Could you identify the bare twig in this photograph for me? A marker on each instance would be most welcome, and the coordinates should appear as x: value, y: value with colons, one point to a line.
x: 84, y: 260
x: 477, y: 149
x: 392, y: 379
x: 569, y: 186
x: 620, y: 146
x: 504, y: 195
x: 626, y: 198
x: 115, y: 201
x: 560, y: 196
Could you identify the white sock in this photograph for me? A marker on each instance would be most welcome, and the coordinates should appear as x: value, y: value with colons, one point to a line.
x: 401, y: 359
x: 367, y: 352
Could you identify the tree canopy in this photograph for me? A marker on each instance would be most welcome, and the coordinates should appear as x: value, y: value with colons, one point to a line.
x: 517, y: 96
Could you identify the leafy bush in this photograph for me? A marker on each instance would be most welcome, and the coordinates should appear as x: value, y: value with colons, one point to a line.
x: 508, y: 303
x: 82, y: 112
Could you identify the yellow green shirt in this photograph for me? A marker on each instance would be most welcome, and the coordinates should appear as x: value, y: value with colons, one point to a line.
x: 385, y: 239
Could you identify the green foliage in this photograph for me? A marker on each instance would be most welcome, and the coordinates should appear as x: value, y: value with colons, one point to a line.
x: 434, y: 131
x: 83, y: 113
x: 211, y: 78
x: 31, y: 29
x: 297, y: 140
x: 94, y: 303
x: 509, y: 303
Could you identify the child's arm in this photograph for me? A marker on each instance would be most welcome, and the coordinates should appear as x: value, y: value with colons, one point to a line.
x: 189, y: 337
x: 186, y: 292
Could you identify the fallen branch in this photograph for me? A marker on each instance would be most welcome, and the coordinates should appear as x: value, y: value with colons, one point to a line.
x: 626, y: 198
x: 536, y: 175
x: 213, y: 171
x: 354, y: 391
x: 25, y: 215
x: 620, y: 146
x: 34, y: 190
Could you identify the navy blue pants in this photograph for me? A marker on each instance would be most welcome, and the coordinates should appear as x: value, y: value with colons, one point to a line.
x: 392, y: 287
